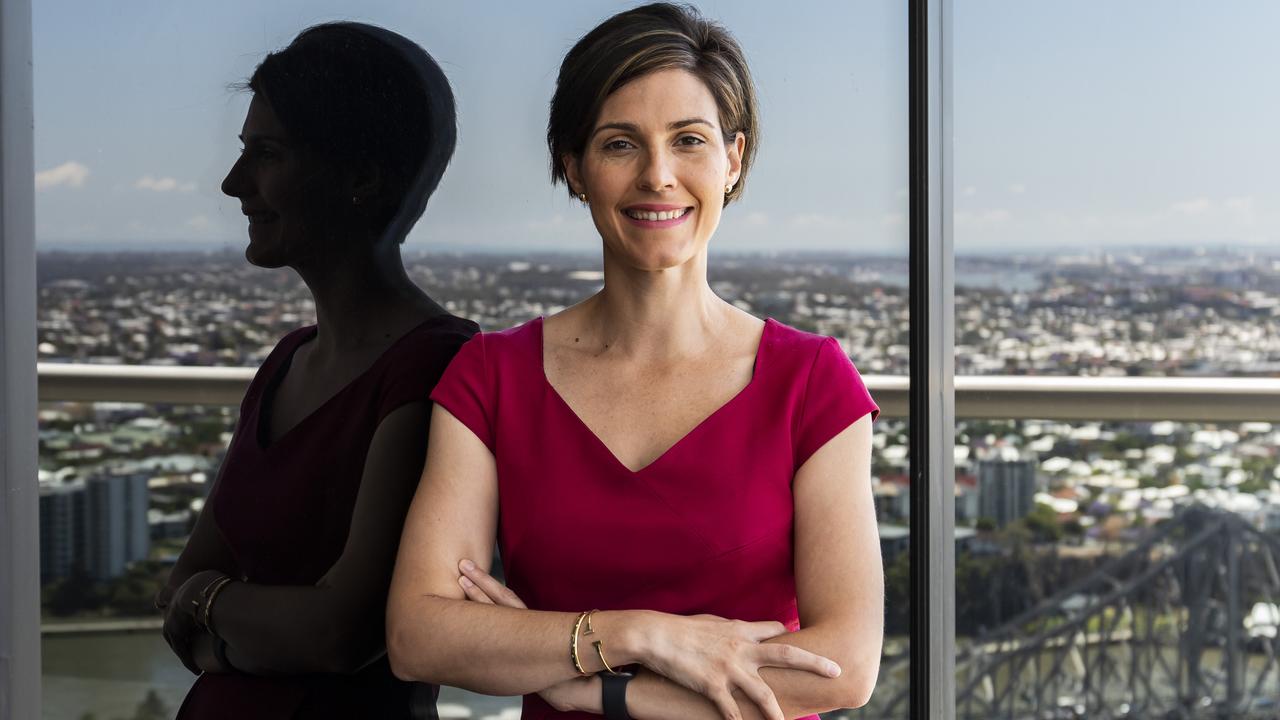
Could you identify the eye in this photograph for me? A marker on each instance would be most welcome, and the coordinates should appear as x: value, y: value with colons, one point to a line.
x: 690, y: 140
x: 617, y: 145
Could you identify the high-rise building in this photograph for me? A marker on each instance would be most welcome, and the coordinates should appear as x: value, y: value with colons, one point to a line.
x: 61, y: 528
x: 99, y: 525
x: 1006, y: 486
x: 116, y: 529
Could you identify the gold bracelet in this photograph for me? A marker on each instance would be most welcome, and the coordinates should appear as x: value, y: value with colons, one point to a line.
x: 208, y: 604
x: 598, y: 644
x: 197, y: 604
x: 573, y: 643
x: 600, y: 651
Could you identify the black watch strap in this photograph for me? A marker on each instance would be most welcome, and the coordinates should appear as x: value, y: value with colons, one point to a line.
x: 613, y: 694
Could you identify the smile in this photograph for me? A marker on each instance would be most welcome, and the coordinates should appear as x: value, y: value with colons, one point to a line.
x: 651, y: 215
x: 657, y: 217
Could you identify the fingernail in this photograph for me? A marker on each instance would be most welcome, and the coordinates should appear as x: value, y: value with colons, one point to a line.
x: 833, y: 670
x: 468, y: 566
x: 466, y: 582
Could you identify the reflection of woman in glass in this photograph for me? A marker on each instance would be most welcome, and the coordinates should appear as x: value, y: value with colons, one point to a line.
x: 698, y: 478
x: 279, y: 595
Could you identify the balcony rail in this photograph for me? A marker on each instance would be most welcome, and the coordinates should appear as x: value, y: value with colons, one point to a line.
x: 1195, y: 399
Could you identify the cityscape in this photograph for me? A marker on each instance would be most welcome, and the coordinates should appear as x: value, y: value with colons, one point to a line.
x: 121, y: 483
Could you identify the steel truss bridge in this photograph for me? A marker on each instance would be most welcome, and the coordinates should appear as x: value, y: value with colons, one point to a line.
x: 1184, y: 625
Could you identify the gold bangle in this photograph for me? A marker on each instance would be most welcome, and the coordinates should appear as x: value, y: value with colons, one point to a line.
x: 598, y: 644
x: 198, y: 604
x: 600, y: 651
x: 208, y: 604
x: 573, y: 643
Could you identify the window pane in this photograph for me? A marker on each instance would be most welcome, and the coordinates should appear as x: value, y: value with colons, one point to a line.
x: 1116, y: 556
x: 141, y: 259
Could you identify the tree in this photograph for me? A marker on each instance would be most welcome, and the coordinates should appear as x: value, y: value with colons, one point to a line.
x: 1042, y: 521
x: 152, y: 707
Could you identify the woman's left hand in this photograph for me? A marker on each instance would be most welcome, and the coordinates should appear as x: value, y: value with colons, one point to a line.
x: 180, y: 625
x: 568, y: 696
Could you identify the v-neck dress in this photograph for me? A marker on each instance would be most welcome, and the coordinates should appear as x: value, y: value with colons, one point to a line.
x: 284, y: 508
x: 704, y: 528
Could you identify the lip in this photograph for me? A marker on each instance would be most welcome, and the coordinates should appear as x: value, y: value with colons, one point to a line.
x: 655, y: 208
x: 250, y: 213
x: 657, y: 224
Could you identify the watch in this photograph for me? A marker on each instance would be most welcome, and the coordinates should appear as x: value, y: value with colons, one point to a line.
x: 613, y: 694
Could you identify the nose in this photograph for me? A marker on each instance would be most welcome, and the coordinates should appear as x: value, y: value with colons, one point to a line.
x: 658, y: 172
x: 235, y: 183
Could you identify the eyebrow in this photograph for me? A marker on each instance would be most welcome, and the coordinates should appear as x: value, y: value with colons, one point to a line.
x: 633, y: 128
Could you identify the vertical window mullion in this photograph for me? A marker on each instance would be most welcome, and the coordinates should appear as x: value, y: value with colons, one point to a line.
x: 932, y: 397
x: 19, y: 490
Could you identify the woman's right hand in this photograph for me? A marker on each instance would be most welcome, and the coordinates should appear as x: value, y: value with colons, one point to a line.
x: 714, y: 656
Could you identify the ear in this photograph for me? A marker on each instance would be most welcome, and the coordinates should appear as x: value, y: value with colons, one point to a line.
x: 735, y: 150
x: 573, y: 172
x: 365, y: 181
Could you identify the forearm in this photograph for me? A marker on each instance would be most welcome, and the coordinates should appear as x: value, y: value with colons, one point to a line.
x: 651, y: 696
x: 290, y: 629
x: 202, y: 651
x: 855, y: 650
x: 501, y: 650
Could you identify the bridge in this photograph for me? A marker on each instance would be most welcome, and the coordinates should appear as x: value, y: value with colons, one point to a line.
x: 1186, y: 624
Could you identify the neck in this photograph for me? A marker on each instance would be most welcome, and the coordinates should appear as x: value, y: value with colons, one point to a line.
x: 656, y: 315
x: 359, y: 296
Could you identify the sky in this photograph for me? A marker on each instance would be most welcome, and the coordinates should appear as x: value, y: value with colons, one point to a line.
x: 1089, y: 123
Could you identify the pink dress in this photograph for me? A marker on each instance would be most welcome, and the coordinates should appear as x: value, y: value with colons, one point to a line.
x: 704, y: 528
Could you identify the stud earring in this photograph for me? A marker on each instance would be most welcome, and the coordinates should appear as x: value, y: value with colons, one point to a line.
x: 728, y: 189
x: 582, y: 197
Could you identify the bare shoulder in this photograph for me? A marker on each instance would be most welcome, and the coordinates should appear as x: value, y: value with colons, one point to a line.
x: 562, y: 333
x: 744, y: 331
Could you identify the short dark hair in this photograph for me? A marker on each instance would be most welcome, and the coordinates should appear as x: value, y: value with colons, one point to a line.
x: 354, y: 93
x: 649, y: 38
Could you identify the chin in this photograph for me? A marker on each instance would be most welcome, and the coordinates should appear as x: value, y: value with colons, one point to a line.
x: 656, y: 256
x: 263, y: 257
x: 668, y: 260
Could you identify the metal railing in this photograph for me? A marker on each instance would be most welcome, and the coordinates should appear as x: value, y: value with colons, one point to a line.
x: 1198, y: 399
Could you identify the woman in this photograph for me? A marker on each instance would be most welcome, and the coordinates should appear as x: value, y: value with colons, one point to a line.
x: 675, y: 485
x: 278, y: 597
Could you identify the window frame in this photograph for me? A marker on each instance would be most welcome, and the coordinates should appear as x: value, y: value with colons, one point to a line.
x: 931, y: 418
x: 19, y: 486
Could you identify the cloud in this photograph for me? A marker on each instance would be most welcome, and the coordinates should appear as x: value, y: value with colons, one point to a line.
x: 163, y: 184
x: 994, y: 216
x: 198, y: 222
x: 69, y: 173
x: 1239, y: 204
x: 969, y: 191
x: 893, y: 219
x: 1191, y: 207
x: 1017, y: 188
x: 820, y: 222
x: 554, y: 223
x: 757, y: 219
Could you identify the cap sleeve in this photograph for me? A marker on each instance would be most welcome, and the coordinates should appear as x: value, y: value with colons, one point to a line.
x: 466, y: 390
x: 416, y: 368
x: 835, y: 397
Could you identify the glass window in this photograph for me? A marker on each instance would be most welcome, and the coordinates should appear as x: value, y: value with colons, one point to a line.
x: 140, y: 261
x: 1113, y: 227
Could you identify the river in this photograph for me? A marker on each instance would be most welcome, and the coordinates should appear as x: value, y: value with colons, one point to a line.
x: 108, y: 675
